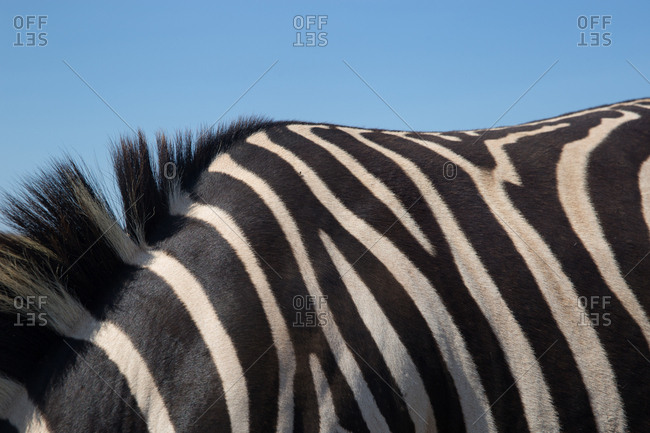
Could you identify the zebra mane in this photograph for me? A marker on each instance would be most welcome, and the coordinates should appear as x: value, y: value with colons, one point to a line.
x: 67, y: 243
x: 146, y: 185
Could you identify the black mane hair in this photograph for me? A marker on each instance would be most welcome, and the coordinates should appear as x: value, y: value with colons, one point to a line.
x: 66, y: 242
x: 145, y: 184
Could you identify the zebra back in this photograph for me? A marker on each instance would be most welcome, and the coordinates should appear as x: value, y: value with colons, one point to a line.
x: 287, y: 276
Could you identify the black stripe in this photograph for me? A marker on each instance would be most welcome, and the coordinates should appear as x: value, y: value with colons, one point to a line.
x: 346, y: 407
x: 477, y: 155
x: 89, y: 394
x: 306, y: 417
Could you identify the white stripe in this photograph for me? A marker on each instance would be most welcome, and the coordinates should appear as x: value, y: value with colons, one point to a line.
x: 345, y: 359
x: 397, y: 358
x: 375, y: 185
x: 535, y: 395
x: 443, y: 136
x: 566, y: 116
x: 329, y: 422
x: 505, y: 171
x: 555, y: 286
x: 472, y: 133
x: 19, y: 409
x: 226, y: 226
x: 572, y: 174
x: 222, y: 350
x: 120, y: 349
x: 644, y: 188
x: 440, y: 322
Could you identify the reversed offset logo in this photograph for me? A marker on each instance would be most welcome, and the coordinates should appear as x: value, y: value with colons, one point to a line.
x: 309, y: 30
x: 29, y: 310
x: 310, y: 311
x: 594, y: 30
x: 30, y: 30
x: 595, y: 310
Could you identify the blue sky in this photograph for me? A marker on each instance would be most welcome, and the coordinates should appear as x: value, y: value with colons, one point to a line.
x: 172, y: 65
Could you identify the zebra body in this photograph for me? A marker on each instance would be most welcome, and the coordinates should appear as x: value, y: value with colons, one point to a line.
x: 303, y: 277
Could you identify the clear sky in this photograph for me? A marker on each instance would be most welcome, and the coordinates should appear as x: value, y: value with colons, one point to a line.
x: 176, y: 65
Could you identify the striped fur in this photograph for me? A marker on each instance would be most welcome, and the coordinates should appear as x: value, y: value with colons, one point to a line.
x: 320, y: 278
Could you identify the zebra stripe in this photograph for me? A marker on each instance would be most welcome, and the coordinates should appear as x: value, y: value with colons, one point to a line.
x: 326, y: 411
x: 119, y: 348
x: 644, y: 188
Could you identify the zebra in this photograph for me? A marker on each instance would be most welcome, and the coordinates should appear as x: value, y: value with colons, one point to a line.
x: 289, y: 276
